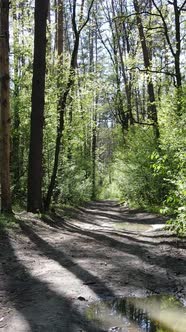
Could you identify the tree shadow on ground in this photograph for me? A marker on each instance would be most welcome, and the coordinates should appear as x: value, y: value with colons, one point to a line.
x: 175, y: 264
x: 123, y: 217
x: 41, y: 308
x: 154, y: 281
x: 103, y: 204
x: 66, y: 261
x: 57, y: 222
x: 120, y: 213
x: 146, y: 253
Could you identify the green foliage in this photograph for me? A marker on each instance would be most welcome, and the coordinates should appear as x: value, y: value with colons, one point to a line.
x: 178, y: 224
x: 173, y: 142
x: 134, y: 164
x: 7, y: 221
x: 110, y: 189
x: 129, y: 165
x: 21, y: 45
x: 151, y: 176
x: 74, y: 186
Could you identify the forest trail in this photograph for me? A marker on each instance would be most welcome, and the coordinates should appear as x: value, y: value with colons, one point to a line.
x: 51, y: 269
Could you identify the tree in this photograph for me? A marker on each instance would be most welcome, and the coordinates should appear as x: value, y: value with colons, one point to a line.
x: 147, y: 64
x: 174, y: 43
x: 5, y: 107
x: 64, y: 96
x: 34, y: 199
x: 176, y: 52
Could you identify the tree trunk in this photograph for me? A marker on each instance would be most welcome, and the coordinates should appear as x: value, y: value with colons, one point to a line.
x: 177, y: 57
x: 15, y: 158
x: 147, y: 64
x: 127, y: 116
x: 60, y: 128
x: 5, y: 107
x: 92, y: 68
x: 176, y: 52
x: 64, y: 97
x: 34, y: 203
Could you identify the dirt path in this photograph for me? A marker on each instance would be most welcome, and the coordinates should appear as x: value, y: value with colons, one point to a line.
x: 52, y: 269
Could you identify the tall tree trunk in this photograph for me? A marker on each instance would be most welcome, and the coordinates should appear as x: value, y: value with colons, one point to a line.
x: 60, y: 30
x: 178, y: 44
x: 34, y: 202
x: 64, y: 97
x: 127, y: 82
x: 15, y: 158
x: 60, y: 126
x: 147, y: 64
x: 177, y: 13
x: 94, y: 146
x: 175, y: 51
x: 5, y: 107
x: 92, y: 69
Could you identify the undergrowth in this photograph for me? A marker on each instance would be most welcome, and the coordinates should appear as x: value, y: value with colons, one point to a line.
x: 7, y: 221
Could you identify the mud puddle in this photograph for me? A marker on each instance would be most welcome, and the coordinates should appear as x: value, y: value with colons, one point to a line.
x: 152, y: 314
x: 133, y: 227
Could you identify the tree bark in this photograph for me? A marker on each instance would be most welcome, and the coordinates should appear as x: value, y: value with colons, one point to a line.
x: 177, y: 51
x: 15, y: 157
x: 147, y: 64
x: 178, y: 44
x: 5, y: 107
x: 93, y: 50
x: 34, y: 202
x: 127, y: 116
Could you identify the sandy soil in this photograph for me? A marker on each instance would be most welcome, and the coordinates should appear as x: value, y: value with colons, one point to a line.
x: 51, y: 269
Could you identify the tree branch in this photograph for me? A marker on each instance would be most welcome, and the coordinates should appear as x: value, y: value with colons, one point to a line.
x: 88, y: 17
x: 134, y: 14
x: 182, y: 6
x: 153, y: 71
x: 104, y: 43
x: 81, y: 11
x: 165, y: 28
x: 74, y: 25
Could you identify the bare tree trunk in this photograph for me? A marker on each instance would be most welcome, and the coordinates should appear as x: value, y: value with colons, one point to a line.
x: 147, y: 64
x: 34, y: 202
x: 60, y: 30
x: 175, y: 51
x: 178, y: 44
x: 127, y: 82
x: 92, y: 69
x: 15, y: 158
x: 5, y: 107
x: 94, y: 146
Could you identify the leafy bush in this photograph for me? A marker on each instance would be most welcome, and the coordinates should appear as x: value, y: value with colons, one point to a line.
x: 173, y: 143
x: 137, y: 180
x: 178, y: 224
x: 75, y: 187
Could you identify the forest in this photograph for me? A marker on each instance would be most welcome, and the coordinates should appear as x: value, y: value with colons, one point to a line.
x: 92, y: 165
x: 93, y: 104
